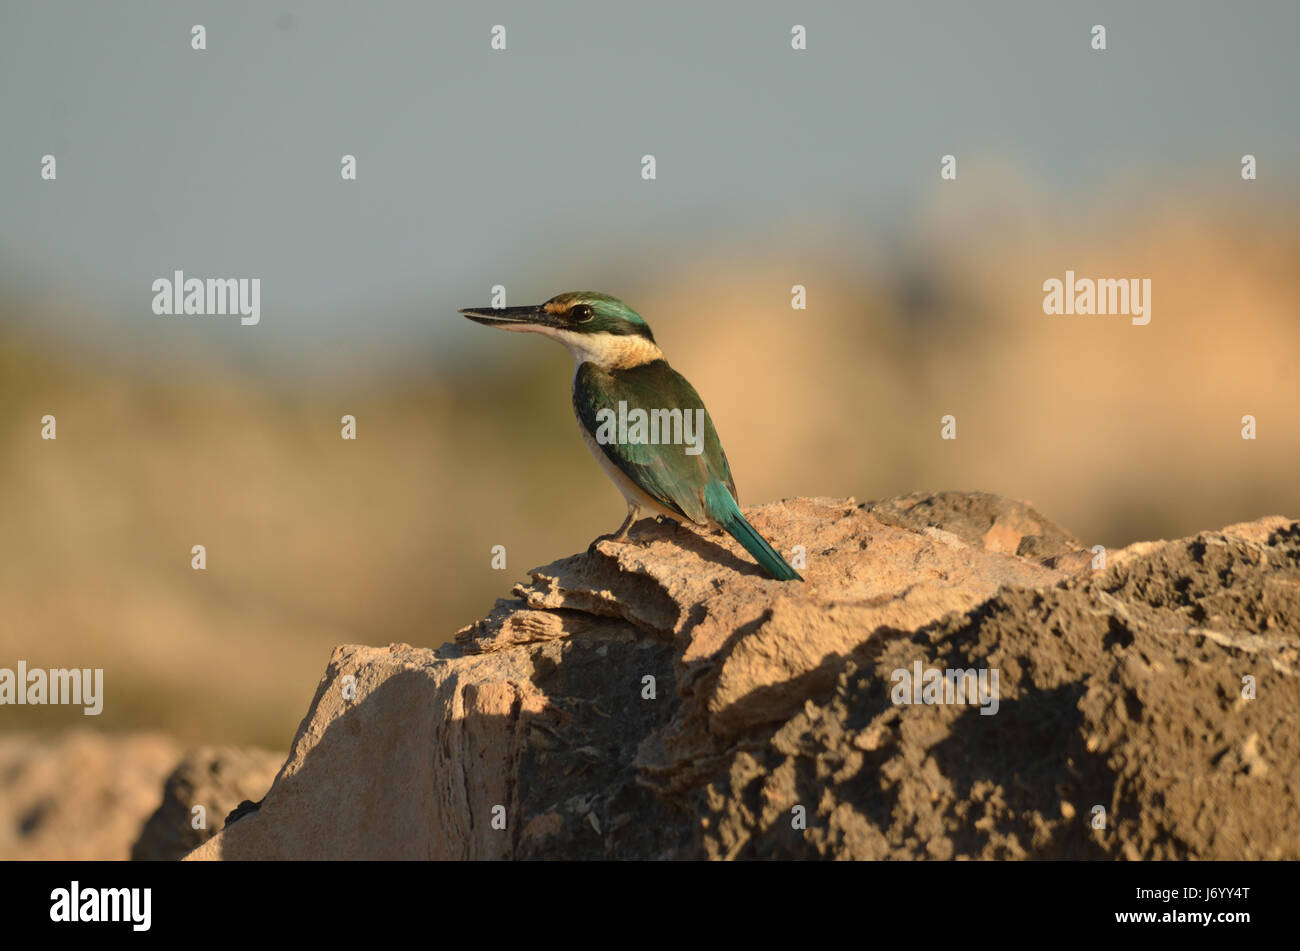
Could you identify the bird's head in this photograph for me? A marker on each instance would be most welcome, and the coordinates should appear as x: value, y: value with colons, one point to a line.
x: 594, y: 326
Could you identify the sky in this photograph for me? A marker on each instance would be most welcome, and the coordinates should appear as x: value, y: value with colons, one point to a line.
x: 522, y: 166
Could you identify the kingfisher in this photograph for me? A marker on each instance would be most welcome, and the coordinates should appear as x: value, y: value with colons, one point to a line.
x: 641, y: 419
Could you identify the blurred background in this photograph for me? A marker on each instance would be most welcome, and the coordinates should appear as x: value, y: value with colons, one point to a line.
x: 522, y: 168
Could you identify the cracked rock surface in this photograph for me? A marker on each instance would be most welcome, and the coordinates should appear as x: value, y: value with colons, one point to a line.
x: 662, y: 698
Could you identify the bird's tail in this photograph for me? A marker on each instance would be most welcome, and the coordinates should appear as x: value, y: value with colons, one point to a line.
x: 720, y: 505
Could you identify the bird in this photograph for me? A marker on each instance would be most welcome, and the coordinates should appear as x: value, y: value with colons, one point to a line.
x: 626, y: 396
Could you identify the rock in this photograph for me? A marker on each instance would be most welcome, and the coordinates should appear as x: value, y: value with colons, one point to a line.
x: 664, y: 699
x: 84, y: 795
x: 89, y: 795
x: 216, y: 778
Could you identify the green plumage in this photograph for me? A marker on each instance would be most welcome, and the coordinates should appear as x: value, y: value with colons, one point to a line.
x: 664, y: 472
x: 697, y: 487
x: 605, y: 334
x: 726, y: 512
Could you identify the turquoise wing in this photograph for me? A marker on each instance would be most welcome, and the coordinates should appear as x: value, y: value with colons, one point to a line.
x: 664, y: 471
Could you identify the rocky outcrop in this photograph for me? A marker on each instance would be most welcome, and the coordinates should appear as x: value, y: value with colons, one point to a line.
x: 94, y: 796
x: 206, y: 786
x: 83, y: 795
x: 663, y: 699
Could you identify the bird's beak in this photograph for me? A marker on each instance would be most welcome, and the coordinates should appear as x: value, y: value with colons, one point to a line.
x: 509, y: 318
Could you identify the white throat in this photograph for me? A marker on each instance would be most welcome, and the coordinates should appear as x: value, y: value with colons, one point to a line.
x: 605, y: 350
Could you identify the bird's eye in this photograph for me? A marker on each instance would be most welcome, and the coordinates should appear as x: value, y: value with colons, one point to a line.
x: 581, y: 313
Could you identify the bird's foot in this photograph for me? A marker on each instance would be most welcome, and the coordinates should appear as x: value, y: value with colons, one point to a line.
x: 621, y: 534
x: 669, y: 520
x: 608, y: 537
